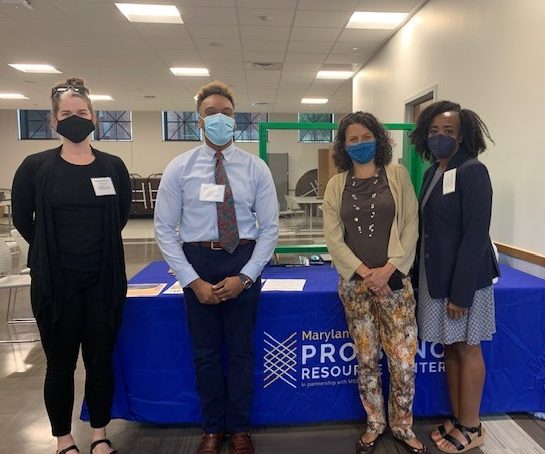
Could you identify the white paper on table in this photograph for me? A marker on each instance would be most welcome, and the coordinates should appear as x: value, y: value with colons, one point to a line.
x: 174, y: 289
x: 137, y: 290
x: 284, y: 285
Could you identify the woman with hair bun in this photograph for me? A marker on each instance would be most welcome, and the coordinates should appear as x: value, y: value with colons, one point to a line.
x: 70, y: 203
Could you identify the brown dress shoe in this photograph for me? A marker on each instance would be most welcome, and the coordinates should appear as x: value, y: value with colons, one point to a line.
x: 241, y: 443
x: 210, y: 444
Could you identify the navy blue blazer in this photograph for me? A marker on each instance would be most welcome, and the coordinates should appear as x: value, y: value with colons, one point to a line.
x: 459, y: 258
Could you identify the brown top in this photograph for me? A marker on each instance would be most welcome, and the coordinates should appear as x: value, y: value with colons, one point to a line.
x: 367, y: 211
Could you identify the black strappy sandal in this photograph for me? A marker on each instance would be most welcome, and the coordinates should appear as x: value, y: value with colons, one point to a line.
x: 367, y: 448
x: 441, y: 427
x: 105, y: 440
x: 70, y: 448
x: 472, y: 442
x: 412, y: 449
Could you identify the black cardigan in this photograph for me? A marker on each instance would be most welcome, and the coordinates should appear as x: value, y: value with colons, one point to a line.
x: 458, y: 252
x: 33, y: 218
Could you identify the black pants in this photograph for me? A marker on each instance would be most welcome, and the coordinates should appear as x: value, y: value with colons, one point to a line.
x: 83, y: 321
x: 226, y: 328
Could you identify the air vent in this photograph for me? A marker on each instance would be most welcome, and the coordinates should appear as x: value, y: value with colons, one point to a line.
x: 267, y: 66
x: 259, y: 103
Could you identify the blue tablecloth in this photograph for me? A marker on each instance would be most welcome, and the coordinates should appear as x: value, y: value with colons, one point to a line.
x: 304, y: 359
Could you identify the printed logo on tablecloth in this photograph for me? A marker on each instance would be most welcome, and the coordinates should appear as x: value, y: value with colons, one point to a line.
x: 279, y: 360
x: 326, y: 358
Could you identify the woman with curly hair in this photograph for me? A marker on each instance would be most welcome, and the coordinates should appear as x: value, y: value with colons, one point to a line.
x: 371, y: 229
x: 456, y: 261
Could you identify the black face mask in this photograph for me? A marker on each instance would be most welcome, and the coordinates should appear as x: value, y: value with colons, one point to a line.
x: 75, y: 129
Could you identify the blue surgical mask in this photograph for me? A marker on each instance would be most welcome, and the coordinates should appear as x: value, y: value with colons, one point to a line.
x: 441, y: 145
x: 362, y: 152
x: 219, y: 128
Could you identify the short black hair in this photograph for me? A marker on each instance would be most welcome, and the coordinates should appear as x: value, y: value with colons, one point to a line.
x: 214, y: 88
x: 472, y: 128
x: 384, y: 145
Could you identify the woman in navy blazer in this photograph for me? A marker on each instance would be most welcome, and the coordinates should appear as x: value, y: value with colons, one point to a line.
x: 456, y: 262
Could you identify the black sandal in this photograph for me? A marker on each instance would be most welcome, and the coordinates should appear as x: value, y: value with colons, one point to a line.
x: 70, y: 448
x: 367, y: 448
x: 412, y: 449
x: 441, y: 427
x: 105, y: 440
x: 472, y: 442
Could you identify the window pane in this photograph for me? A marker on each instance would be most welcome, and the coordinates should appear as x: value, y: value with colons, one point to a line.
x: 113, y: 125
x: 319, y: 135
x: 181, y: 126
x: 247, y: 126
x: 34, y: 125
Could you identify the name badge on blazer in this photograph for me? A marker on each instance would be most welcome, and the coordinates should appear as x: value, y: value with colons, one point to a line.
x: 449, y: 181
x: 212, y: 192
x: 103, y: 186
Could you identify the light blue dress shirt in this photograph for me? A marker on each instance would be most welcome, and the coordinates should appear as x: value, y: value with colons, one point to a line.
x: 181, y: 217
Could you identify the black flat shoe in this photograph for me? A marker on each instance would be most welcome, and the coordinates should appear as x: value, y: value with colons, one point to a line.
x: 367, y: 448
x: 70, y: 448
x: 412, y: 449
x: 105, y: 440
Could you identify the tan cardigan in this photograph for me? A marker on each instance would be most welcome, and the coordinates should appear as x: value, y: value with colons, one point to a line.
x: 403, y: 234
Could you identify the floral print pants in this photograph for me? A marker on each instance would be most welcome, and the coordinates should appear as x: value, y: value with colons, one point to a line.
x: 387, y: 322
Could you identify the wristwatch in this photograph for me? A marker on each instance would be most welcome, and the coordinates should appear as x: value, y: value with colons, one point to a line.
x: 245, y: 280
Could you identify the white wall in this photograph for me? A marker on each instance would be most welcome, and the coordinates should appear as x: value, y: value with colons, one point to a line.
x: 488, y: 56
x: 147, y: 153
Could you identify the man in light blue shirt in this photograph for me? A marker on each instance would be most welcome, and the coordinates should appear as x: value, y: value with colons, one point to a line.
x: 216, y: 223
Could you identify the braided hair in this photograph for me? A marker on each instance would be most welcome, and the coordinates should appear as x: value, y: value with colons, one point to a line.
x: 472, y: 128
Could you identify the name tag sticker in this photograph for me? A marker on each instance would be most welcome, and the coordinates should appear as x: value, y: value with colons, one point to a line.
x: 449, y: 181
x: 103, y: 186
x: 212, y: 192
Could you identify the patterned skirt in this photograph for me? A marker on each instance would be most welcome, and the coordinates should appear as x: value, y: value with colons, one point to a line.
x: 434, y: 324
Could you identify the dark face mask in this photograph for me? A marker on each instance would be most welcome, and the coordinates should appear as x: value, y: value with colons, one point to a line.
x: 75, y: 129
x: 441, y: 145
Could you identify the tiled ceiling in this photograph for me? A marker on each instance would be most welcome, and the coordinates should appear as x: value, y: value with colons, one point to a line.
x: 130, y: 61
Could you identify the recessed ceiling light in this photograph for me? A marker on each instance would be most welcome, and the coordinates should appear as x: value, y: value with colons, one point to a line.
x: 161, y: 14
x: 375, y: 20
x: 12, y: 96
x: 202, y: 72
x: 29, y: 68
x: 334, y: 74
x: 314, y: 100
x: 100, y: 98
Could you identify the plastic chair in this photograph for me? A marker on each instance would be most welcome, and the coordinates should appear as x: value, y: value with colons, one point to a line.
x: 12, y: 282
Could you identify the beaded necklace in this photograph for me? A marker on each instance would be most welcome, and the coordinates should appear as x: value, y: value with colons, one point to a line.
x: 357, y: 207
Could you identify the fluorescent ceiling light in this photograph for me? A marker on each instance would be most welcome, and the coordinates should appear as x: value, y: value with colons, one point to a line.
x: 162, y: 14
x: 100, y: 98
x: 12, y: 96
x: 190, y: 71
x: 334, y: 74
x: 44, y: 69
x: 314, y: 100
x: 377, y: 21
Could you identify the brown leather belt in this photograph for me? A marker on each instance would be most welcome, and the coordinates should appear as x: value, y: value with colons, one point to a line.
x: 215, y: 245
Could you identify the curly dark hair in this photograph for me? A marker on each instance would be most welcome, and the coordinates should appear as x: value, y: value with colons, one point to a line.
x: 214, y: 88
x: 384, y: 146
x: 472, y: 128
